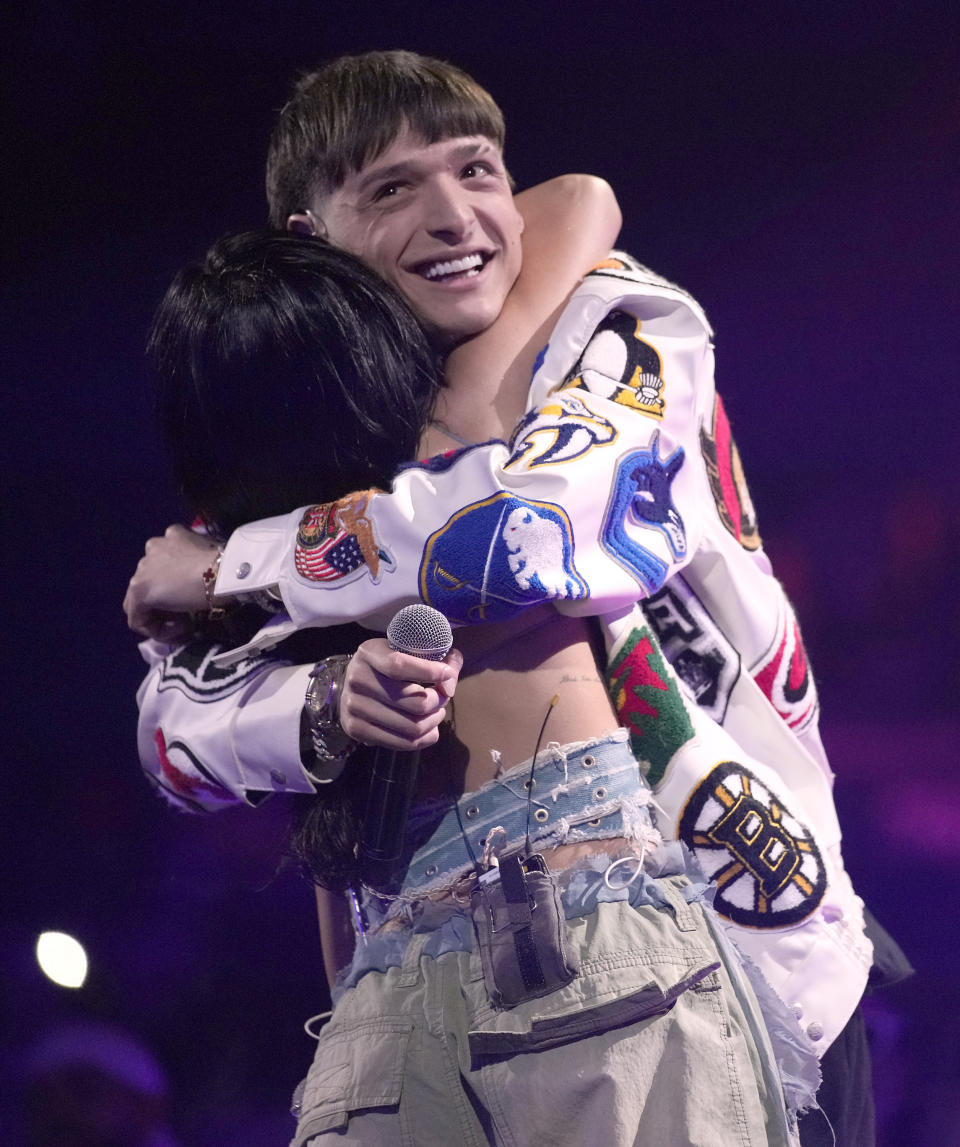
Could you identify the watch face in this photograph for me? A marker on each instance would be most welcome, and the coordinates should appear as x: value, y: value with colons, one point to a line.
x: 322, y: 690
x: 318, y: 694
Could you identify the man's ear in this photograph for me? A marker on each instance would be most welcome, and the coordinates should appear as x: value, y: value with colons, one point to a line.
x: 306, y: 223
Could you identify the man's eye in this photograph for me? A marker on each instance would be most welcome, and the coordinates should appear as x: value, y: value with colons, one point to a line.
x: 477, y: 168
x: 387, y: 191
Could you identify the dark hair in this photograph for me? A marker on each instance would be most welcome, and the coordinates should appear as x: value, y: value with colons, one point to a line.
x: 349, y: 111
x: 290, y: 373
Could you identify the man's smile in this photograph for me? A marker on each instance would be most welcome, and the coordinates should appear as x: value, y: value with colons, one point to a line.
x: 466, y: 267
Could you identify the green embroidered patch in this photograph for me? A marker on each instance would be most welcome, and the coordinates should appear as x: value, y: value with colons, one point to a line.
x: 645, y: 694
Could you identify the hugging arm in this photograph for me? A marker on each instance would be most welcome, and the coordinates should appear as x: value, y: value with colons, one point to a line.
x: 596, y: 501
x: 213, y: 736
x: 570, y: 223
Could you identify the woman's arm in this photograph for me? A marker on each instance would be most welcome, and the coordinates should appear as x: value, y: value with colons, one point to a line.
x: 570, y: 224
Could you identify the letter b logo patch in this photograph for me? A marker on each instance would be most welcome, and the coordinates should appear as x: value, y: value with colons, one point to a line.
x: 764, y: 862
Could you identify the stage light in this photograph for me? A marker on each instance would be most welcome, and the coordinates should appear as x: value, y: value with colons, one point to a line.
x: 62, y: 959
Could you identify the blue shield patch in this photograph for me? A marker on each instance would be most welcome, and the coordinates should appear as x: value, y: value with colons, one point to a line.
x: 496, y: 557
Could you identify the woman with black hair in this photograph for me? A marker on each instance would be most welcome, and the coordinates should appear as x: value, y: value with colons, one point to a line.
x: 287, y: 370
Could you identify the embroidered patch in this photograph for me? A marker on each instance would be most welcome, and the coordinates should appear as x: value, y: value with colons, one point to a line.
x: 700, y: 653
x: 563, y: 429
x: 539, y: 360
x: 336, y: 543
x: 192, y: 671
x: 784, y: 676
x: 182, y: 774
x: 648, y: 702
x: 641, y: 497
x: 619, y: 365
x: 727, y: 481
x: 440, y: 463
x: 613, y: 263
x: 764, y: 862
x: 495, y: 557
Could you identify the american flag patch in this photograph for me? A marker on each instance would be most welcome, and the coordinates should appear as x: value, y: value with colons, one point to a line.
x: 330, y: 560
x: 336, y: 540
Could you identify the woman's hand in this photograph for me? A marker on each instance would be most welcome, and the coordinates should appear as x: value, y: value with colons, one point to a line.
x: 395, y: 700
x: 168, y: 583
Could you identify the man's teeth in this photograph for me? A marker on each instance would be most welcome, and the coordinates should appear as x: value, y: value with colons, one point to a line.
x: 453, y: 266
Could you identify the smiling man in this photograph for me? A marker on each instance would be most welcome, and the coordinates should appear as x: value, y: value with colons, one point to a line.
x: 413, y: 182
x: 437, y: 220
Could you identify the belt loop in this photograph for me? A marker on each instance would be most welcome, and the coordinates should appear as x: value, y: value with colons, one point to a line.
x: 410, y: 969
x: 684, y: 913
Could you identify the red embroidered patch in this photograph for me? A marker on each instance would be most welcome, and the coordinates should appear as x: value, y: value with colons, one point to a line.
x: 183, y: 783
x: 727, y: 481
x: 648, y: 702
x: 785, y: 679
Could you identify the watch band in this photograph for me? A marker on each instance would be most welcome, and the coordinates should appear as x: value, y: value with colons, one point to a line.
x: 331, y: 745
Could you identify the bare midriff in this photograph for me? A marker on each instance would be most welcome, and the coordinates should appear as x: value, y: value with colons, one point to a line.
x: 516, y: 676
x: 538, y: 666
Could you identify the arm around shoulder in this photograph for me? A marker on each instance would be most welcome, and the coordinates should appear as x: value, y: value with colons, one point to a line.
x: 570, y: 223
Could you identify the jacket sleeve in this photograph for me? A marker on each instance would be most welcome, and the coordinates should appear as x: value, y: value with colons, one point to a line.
x: 212, y: 737
x: 592, y: 505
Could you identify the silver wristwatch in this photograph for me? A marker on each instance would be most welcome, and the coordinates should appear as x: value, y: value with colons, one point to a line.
x: 331, y: 745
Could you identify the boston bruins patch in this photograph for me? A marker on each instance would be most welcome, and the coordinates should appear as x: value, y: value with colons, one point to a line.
x: 766, y: 867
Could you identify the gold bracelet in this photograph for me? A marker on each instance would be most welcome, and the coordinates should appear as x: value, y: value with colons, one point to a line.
x: 209, y: 577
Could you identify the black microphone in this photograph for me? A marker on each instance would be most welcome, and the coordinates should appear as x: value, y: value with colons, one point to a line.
x: 421, y: 632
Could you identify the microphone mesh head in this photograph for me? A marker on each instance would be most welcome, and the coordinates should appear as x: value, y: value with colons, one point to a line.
x: 420, y: 631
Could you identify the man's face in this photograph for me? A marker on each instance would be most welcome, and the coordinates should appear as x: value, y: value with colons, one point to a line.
x: 438, y: 221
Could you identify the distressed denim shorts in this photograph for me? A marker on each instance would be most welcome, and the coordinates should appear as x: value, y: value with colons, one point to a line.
x: 589, y: 791
x: 656, y: 1040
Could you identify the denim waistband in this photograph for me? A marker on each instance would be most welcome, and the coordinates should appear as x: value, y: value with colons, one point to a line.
x: 592, y: 790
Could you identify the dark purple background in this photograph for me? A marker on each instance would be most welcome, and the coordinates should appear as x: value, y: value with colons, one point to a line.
x: 798, y: 172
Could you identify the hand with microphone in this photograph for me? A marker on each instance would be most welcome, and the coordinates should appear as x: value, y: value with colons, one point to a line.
x: 424, y: 633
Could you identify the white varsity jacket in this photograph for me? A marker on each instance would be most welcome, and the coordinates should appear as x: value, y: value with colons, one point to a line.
x: 622, y: 484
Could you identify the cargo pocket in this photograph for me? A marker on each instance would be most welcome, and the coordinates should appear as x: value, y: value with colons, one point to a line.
x: 355, y: 1069
x: 552, y: 1031
x: 636, y: 964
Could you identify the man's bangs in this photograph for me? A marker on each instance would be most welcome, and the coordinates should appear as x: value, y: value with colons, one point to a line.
x: 432, y: 114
